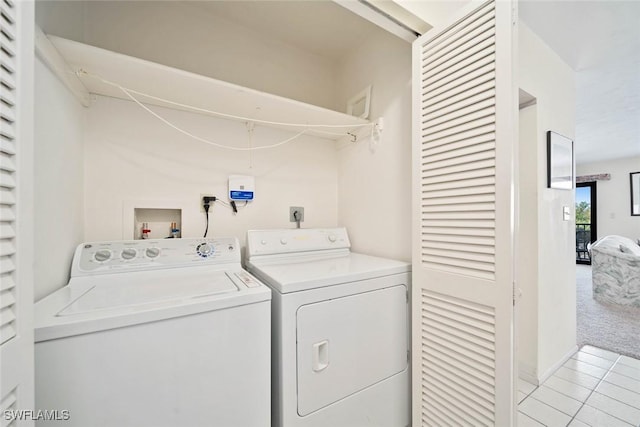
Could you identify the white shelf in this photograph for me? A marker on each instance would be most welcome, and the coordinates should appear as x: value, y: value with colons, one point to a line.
x: 193, y: 89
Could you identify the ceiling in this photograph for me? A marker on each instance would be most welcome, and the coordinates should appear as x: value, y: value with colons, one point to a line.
x: 600, y: 40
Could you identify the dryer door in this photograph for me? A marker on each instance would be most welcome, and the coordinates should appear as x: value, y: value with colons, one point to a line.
x: 348, y: 344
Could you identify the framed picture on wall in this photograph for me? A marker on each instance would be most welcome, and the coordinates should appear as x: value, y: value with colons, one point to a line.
x: 559, y: 161
x: 634, y: 178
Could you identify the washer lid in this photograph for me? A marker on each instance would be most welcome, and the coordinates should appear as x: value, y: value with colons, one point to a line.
x: 130, y: 290
x: 298, y: 273
x: 98, y: 303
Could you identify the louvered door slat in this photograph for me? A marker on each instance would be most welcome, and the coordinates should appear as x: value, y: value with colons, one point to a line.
x: 459, y: 196
x: 7, y: 265
x: 467, y: 108
x: 438, y: 419
x: 7, y: 179
x: 6, y: 280
x: 482, y: 381
x: 450, y: 328
x: 448, y: 405
x: 463, y: 55
x: 478, y: 387
x: 435, y: 239
x: 467, y: 402
x: 8, y: 169
x: 476, y: 393
x: 7, y: 231
x: 7, y: 46
x: 441, y: 44
x: 6, y: 213
x: 458, y: 200
x: 16, y: 216
x: 7, y: 196
x: 459, y: 148
x: 472, y: 166
x: 455, y: 103
x: 7, y: 135
x: 8, y: 404
x: 462, y: 250
x: 6, y: 78
x: 450, y: 207
x: 464, y: 138
x: 460, y: 342
x: 482, y: 81
x: 7, y: 30
x: 473, y: 127
x: 7, y: 12
x: 478, y: 70
x: 8, y: 97
x: 473, y: 357
x: 7, y: 114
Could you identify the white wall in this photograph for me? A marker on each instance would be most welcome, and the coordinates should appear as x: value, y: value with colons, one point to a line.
x: 374, y: 191
x: 62, y: 18
x: 545, y: 76
x: 58, y: 187
x: 526, y: 259
x: 614, y: 202
x: 435, y: 12
x: 187, y: 36
x: 131, y: 157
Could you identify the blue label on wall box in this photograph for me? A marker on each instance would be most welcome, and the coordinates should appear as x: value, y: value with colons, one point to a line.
x: 241, y: 195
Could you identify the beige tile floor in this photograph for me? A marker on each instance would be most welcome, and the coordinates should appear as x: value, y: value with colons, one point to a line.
x: 594, y: 388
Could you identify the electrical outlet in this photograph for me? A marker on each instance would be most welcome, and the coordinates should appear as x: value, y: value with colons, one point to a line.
x: 292, y: 210
x: 202, y: 204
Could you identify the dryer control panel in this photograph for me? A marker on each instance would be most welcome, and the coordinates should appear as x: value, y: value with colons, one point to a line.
x: 272, y: 242
x: 137, y: 255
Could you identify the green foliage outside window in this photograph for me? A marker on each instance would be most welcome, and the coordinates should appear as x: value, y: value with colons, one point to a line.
x: 583, y: 213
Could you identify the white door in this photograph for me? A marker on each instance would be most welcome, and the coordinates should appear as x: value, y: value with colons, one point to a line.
x: 16, y: 211
x: 463, y: 151
x: 336, y: 335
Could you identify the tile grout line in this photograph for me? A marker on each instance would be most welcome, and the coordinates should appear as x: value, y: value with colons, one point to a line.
x: 594, y: 390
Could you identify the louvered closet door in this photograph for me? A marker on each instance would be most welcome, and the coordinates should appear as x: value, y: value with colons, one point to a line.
x: 16, y: 217
x: 464, y: 137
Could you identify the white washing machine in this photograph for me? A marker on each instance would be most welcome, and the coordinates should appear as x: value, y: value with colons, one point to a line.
x: 340, y: 335
x: 166, y: 332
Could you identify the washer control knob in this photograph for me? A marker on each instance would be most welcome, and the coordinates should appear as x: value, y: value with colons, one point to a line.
x: 263, y: 242
x: 152, y: 252
x: 332, y: 238
x: 129, y: 253
x: 102, y: 255
x: 283, y: 241
x: 205, y: 250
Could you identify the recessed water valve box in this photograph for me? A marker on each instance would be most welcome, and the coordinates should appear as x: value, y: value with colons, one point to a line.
x: 241, y: 187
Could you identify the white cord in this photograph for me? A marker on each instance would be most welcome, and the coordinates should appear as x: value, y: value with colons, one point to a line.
x: 217, y: 113
x: 206, y: 141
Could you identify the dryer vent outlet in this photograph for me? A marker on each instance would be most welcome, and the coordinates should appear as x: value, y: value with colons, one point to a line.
x: 296, y: 214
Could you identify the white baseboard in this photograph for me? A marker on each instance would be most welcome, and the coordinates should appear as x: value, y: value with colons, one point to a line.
x: 527, y: 373
x: 557, y: 365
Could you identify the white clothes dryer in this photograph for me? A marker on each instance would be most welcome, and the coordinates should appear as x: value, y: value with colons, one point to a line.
x: 166, y: 332
x: 340, y: 330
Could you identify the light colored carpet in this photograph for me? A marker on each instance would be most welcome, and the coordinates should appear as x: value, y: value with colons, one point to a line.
x: 607, y: 326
